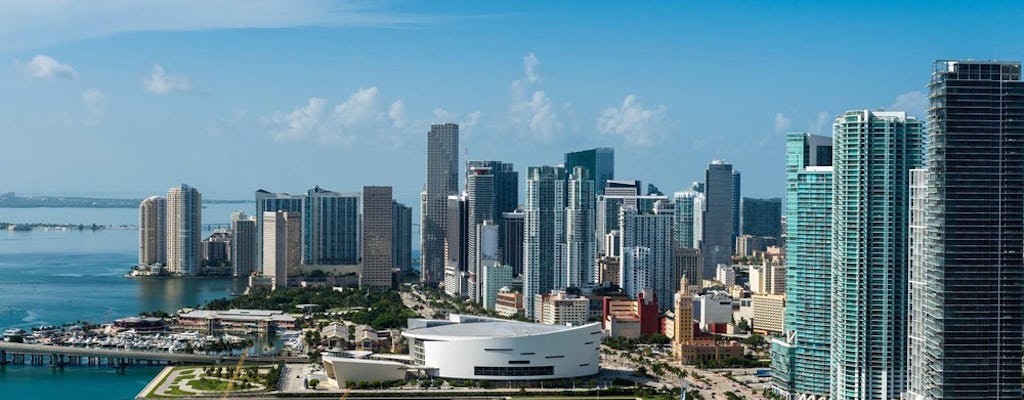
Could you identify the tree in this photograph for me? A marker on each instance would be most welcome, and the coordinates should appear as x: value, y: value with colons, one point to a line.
x: 743, y: 325
x: 754, y: 341
x: 313, y: 383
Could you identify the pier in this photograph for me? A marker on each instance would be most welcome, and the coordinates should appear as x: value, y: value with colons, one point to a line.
x: 60, y: 356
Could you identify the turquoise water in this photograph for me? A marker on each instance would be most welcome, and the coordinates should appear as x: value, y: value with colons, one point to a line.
x: 54, y: 277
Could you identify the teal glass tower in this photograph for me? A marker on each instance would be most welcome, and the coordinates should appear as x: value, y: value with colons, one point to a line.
x: 872, y: 155
x: 800, y: 360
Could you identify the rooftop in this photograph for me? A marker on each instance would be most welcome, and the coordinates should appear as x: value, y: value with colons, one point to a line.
x: 482, y: 329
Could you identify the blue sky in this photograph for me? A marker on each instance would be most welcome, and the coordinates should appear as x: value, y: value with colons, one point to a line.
x: 116, y: 98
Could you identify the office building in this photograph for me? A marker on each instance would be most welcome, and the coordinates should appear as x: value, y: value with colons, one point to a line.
x: 184, y: 230
x: 282, y: 246
x: 761, y: 217
x: 243, y: 244
x: 511, y: 247
x: 544, y: 233
x: 153, y: 231
x: 267, y: 201
x: 599, y: 163
x: 401, y: 239
x: 506, y: 192
x: 508, y: 303
x: 872, y: 154
x: 687, y: 262
x: 442, y: 181
x: 683, y: 229
x: 725, y: 274
x: 769, y: 313
x: 971, y: 301
x: 646, y: 244
x: 377, y: 237
x: 698, y: 221
x: 736, y: 202
x: 716, y: 245
x: 479, y: 209
x: 561, y: 308
x: 713, y: 308
x: 330, y: 228
x: 800, y: 360
x: 767, y: 279
x: 484, y: 253
x: 579, y: 230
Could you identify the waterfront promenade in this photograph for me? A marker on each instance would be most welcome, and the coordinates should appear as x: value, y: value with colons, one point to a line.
x: 38, y: 354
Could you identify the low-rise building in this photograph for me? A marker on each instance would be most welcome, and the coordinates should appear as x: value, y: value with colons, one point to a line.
x: 239, y: 320
x: 561, y: 308
x: 715, y: 307
x: 631, y: 318
x: 508, y: 303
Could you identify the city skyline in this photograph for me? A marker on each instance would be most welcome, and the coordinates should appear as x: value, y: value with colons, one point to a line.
x: 82, y: 96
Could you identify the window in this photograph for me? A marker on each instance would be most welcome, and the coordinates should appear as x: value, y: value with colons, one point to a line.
x: 513, y: 371
x: 555, y: 357
x: 519, y: 361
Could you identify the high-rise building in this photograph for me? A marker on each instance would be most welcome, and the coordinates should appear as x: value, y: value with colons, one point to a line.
x: 687, y: 263
x: 377, y: 237
x: 216, y: 249
x: 971, y: 301
x: 330, y: 228
x: 544, y: 233
x: 495, y: 277
x: 243, y: 244
x: 682, y: 340
x: 456, y: 247
x: 506, y: 192
x: 736, y: 200
x: 153, y: 231
x: 480, y: 208
x: 800, y: 360
x: 267, y: 201
x: 761, y: 217
x: 607, y: 206
x: 872, y: 155
x: 511, y: 247
x: 282, y: 245
x: 646, y: 244
x: 442, y: 181
x: 184, y: 230
x: 683, y: 229
x: 401, y: 230
x: 599, y: 162
x: 579, y: 230
x: 698, y: 221
x: 485, y: 252
x: 717, y: 242
x: 917, y: 382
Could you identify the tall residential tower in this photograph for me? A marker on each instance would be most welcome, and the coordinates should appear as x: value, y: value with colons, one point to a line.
x: 442, y: 181
x: 184, y: 230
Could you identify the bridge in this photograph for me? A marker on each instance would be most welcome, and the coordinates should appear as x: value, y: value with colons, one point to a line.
x: 40, y: 354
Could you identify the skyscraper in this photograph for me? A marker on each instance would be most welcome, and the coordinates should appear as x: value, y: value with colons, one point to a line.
x: 267, y: 201
x: 761, y: 217
x: 511, y: 247
x: 736, y: 200
x: 506, y: 191
x: 718, y: 241
x: 456, y: 246
x: 872, y: 155
x: 401, y: 247
x: 480, y: 202
x: 442, y: 181
x: 646, y: 243
x: 544, y: 235
x: 184, y: 230
x: 153, y: 231
x: 376, y: 262
x: 243, y: 244
x: 800, y: 360
x: 971, y: 300
x: 599, y: 162
x: 330, y: 228
x: 579, y: 230
x: 607, y: 206
x: 683, y: 229
x: 282, y: 245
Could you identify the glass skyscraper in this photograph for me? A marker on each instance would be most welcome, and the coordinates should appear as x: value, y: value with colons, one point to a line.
x: 330, y: 228
x: 800, y: 360
x: 718, y: 241
x: 442, y: 181
x: 872, y: 155
x: 599, y: 162
x: 968, y: 342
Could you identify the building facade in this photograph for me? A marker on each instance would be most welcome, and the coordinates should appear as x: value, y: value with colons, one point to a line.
x: 599, y: 163
x: 544, y: 232
x: 243, y: 244
x: 153, y: 231
x: 971, y: 301
x: 800, y: 360
x: 377, y: 237
x: 646, y: 243
x: 761, y: 217
x: 282, y: 245
x: 267, y: 201
x: 717, y: 242
x: 184, y: 230
x: 401, y: 239
x: 511, y: 247
x: 442, y: 181
x: 579, y: 230
x: 330, y: 228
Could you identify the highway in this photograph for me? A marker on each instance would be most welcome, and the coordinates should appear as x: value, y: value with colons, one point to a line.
x: 40, y: 349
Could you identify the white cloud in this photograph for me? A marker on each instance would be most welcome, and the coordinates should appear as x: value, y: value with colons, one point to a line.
x: 300, y: 123
x: 441, y: 115
x: 531, y: 108
x: 95, y: 105
x: 914, y: 103
x: 46, y: 67
x: 160, y: 82
x: 360, y: 117
x: 472, y: 119
x: 397, y: 114
x: 823, y: 125
x: 30, y: 24
x: 782, y: 123
x: 634, y: 123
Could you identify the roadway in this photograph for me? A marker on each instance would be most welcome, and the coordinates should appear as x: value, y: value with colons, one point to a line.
x: 42, y: 349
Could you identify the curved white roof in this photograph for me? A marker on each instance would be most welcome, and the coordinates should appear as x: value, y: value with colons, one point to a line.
x: 485, y: 330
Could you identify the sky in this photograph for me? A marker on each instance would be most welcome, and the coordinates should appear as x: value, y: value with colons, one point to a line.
x: 126, y: 99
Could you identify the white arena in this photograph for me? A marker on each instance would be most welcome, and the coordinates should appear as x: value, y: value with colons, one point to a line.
x: 469, y: 347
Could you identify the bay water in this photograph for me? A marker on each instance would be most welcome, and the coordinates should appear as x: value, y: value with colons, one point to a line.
x: 56, y: 277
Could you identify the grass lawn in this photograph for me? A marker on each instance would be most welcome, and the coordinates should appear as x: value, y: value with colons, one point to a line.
x: 210, y: 384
